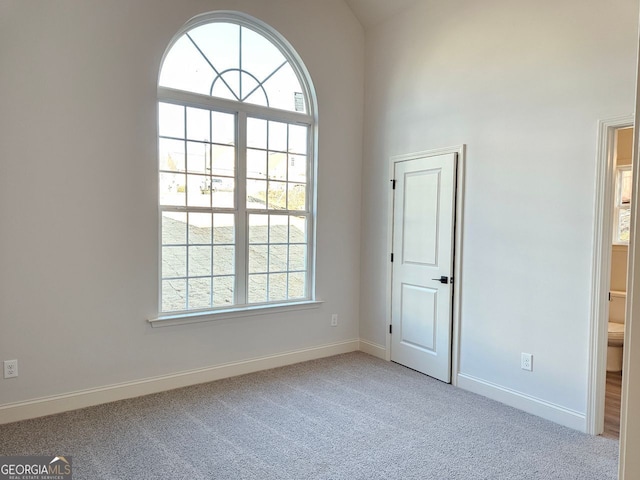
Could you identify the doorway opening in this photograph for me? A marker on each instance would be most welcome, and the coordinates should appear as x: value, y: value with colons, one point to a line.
x: 623, y: 152
x: 613, y: 202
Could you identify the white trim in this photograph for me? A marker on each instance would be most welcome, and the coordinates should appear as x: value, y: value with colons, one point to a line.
x: 39, y: 407
x: 373, y: 349
x: 197, y: 100
x: 536, y: 406
x: 601, y: 271
x: 460, y: 151
x: 208, y: 316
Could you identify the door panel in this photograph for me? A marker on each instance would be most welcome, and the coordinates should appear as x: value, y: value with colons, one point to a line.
x: 423, y: 238
x: 420, y: 219
x: 416, y: 300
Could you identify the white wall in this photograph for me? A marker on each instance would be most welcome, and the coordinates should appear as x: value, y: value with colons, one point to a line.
x: 523, y: 84
x: 78, y: 189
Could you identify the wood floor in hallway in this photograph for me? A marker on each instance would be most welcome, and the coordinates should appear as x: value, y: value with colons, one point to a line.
x: 612, y: 405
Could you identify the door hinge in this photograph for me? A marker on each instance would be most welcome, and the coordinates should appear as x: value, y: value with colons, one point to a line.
x: 390, y: 329
x: 392, y: 258
x: 609, y: 296
x: 393, y: 184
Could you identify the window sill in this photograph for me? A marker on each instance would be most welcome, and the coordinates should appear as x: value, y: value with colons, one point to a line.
x: 199, y: 317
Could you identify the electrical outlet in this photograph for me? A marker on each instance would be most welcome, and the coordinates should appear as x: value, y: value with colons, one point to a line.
x: 334, y: 320
x: 10, y: 368
x: 526, y: 361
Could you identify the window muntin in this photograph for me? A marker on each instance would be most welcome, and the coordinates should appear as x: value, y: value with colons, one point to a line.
x: 235, y: 180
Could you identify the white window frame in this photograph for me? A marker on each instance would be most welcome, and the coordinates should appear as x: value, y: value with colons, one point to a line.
x: 242, y: 111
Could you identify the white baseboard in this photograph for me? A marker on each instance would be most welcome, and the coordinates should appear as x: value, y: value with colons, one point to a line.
x: 373, y: 349
x: 547, y: 410
x: 86, y: 398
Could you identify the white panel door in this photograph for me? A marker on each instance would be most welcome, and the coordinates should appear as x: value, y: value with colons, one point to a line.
x: 423, y: 240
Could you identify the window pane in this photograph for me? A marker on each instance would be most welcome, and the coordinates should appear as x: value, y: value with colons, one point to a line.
x: 223, y: 126
x: 224, y: 260
x: 256, y: 163
x: 624, y: 219
x: 223, y: 160
x: 298, y: 139
x: 198, y: 192
x: 278, y: 136
x: 224, y: 228
x: 278, y: 258
x: 282, y: 89
x: 277, y: 287
x: 223, y: 291
x: 171, y: 155
x: 199, y: 261
x: 297, y: 257
x: 199, y: 228
x: 258, y: 255
x: 198, y: 155
x: 184, y: 68
x: 257, y: 194
x: 174, y: 295
x: 171, y: 120
x: 198, y: 124
x: 174, y: 228
x: 258, y: 97
x: 277, y: 196
x: 225, y: 87
x: 219, y: 42
x: 297, y: 285
x: 222, y: 192
x: 249, y: 87
x: 278, y: 228
x: 277, y: 166
x: 298, y: 229
x: 297, y: 168
x: 625, y: 187
x: 172, y: 189
x: 199, y: 293
x: 258, y: 228
x: 174, y: 262
x: 297, y: 196
x: 257, y: 288
x: 260, y: 57
x: 256, y: 133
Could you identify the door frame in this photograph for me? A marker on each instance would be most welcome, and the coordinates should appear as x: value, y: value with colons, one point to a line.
x: 460, y: 151
x: 601, y: 270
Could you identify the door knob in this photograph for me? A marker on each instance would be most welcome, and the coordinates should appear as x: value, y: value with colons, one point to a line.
x: 442, y: 279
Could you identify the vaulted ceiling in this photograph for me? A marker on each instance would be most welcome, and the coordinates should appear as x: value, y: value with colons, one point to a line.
x: 371, y: 12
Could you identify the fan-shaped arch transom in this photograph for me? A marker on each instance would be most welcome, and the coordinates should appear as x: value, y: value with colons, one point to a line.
x: 234, y: 62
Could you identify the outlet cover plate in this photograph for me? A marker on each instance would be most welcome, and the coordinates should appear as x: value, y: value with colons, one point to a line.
x: 10, y: 368
x: 526, y: 362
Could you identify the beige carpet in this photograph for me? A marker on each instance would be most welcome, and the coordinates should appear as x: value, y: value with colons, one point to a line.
x: 346, y: 417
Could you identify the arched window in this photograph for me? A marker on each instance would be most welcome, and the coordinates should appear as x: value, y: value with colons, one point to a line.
x: 236, y: 142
